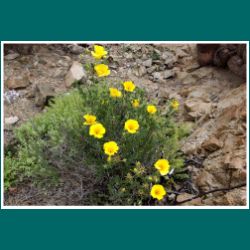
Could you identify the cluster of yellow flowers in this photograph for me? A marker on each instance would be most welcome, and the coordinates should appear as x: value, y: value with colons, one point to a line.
x: 99, y: 53
x: 132, y: 126
x: 158, y: 191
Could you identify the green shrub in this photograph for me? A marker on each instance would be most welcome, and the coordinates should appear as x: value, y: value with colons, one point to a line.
x: 59, y: 141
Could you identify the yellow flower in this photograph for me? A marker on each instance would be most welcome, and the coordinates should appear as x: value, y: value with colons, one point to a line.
x: 135, y: 103
x: 89, y: 119
x: 99, y: 52
x: 115, y: 92
x: 174, y: 104
x: 129, y: 86
x: 97, y: 130
x: 102, y: 70
x: 110, y: 148
x: 131, y: 126
x: 151, y: 109
x: 163, y: 166
x: 158, y: 192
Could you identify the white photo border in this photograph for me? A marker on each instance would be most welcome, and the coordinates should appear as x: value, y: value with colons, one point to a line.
x: 119, y: 207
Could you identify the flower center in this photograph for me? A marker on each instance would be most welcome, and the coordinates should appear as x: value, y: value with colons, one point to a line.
x: 97, y: 130
x: 131, y: 127
x: 157, y: 192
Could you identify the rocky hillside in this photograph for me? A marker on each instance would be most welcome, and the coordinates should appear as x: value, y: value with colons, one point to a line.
x: 213, y: 106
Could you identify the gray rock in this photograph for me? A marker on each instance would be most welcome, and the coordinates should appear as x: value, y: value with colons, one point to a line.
x: 76, y: 73
x: 43, y: 93
x: 151, y: 69
x: 168, y: 73
x: 180, y: 53
x: 169, y: 59
x: 141, y: 71
x: 11, y: 56
x: 63, y: 63
x: 147, y: 63
x: 162, y: 76
x: 76, y: 49
x: 171, y: 197
x: 11, y: 120
x: 157, y: 76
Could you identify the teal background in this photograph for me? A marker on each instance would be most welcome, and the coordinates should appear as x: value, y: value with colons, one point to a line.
x: 128, y: 20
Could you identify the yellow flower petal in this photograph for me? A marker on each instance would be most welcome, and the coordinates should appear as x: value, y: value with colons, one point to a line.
x: 158, y: 192
x: 89, y: 119
x: 102, y: 70
x: 131, y: 126
x: 97, y: 130
x: 151, y: 109
x: 99, y: 52
x: 163, y: 166
x: 115, y: 92
x: 129, y: 86
x: 110, y: 148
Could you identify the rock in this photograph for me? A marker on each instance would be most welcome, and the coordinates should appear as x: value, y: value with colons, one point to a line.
x: 233, y: 55
x: 59, y: 72
x: 171, y: 197
x: 169, y: 59
x: 18, y: 80
x: 23, y: 49
x: 236, y: 163
x: 223, y: 54
x: 11, y: 120
x: 157, y: 76
x: 234, y: 197
x: 224, y: 138
x: 194, y: 202
x: 168, y: 74
x: 212, y: 144
x: 207, y: 181
x: 43, y: 93
x: 180, y: 53
x: 76, y: 49
x: 147, y: 63
x: 237, y: 66
x: 63, y: 63
x: 128, y: 55
x: 141, y: 71
x: 162, y: 76
x: 197, y: 108
x: 11, y: 56
x: 184, y: 196
x: 76, y: 73
x: 151, y: 69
